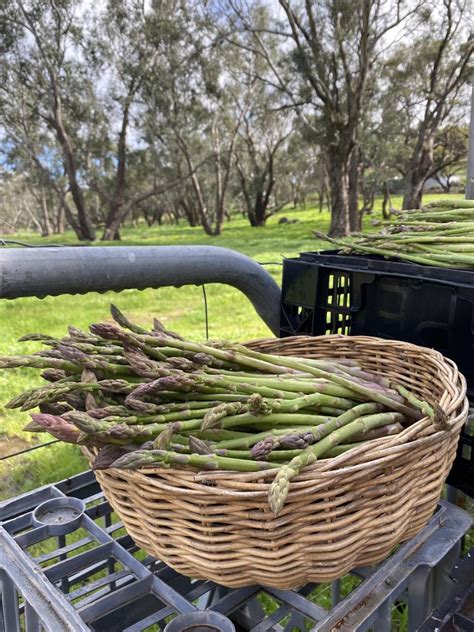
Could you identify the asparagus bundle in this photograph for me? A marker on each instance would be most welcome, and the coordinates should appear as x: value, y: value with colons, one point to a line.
x: 438, y: 234
x: 154, y: 399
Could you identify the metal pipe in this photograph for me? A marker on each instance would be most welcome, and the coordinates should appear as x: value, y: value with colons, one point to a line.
x: 77, y: 270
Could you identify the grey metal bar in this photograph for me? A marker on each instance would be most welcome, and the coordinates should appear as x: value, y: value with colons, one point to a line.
x: 93, y: 586
x: 299, y: 603
x: 48, y: 603
x: 335, y: 592
x: 279, y: 614
x: 235, y: 599
x: 32, y: 621
x: 72, y: 564
x: 121, y: 596
x: 420, y: 593
x: 78, y: 270
x: 154, y: 618
x: 383, y: 619
x: 10, y: 603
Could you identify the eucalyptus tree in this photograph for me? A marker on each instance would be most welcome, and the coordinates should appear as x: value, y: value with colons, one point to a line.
x: 29, y: 150
x: 450, y: 154
x: 261, y: 139
x: 189, y: 111
x: 328, y: 52
x: 38, y: 40
x: 426, y: 95
x: 123, y: 47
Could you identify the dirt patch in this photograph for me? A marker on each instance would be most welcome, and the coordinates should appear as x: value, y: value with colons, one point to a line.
x: 13, y: 444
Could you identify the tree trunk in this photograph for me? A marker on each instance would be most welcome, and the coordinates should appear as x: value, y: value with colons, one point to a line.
x: 190, y: 213
x: 386, y: 212
x: 113, y: 223
x: 413, y: 192
x: 73, y: 223
x: 86, y: 232
x: 149, y: 218
x: 46, y: 229
x: 117, y: 213
x: 256, y: 215
x: 355, y: 221
x: 202, y: 209
x: 326, y: 189
x: 338, y: 171
x: 258, y: 211
x: 33, y: 218
x: 417, y: 174
x: 320, y: 200
x: 219, y: 220
x: 369, y: 201
x: 60, y: 218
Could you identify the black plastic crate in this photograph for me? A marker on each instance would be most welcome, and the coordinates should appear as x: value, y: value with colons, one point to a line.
x: 328, y: 293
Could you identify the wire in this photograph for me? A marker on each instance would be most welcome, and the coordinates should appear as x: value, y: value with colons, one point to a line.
x: 206, y: 314
x: 4, y: 242
x: 31, y: 449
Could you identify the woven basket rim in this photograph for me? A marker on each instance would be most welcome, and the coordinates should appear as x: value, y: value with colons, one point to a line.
x: 382, y: 451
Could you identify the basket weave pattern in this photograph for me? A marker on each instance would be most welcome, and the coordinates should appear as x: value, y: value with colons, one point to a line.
x: 340, y: 513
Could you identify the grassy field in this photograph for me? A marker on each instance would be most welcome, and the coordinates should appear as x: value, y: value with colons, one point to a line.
x: 231, y: 316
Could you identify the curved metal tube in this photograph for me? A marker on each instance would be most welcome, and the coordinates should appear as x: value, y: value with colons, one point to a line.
x: 78, y: 270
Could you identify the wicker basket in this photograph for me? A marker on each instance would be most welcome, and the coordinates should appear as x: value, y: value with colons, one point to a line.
x: 341, y: 513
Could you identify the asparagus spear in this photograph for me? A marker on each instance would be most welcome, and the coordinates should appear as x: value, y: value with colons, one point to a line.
x: 56, y: 426
x: 308, y: 436
x: 280, y: 486
x: 113, y: 333
x: 164, y: 458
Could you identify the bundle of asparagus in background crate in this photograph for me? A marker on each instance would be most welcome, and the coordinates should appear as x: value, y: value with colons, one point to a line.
x: 439, y: 234
x: 153, y: 399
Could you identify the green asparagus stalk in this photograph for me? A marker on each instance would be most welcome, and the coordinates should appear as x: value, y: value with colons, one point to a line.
x: 123, y: 321
x: 163, y: 458
x: 424, y: 407
x: 247, y: 441
x: 81, y: 359
x: 155, y: 399
x: 306, y: 437
x: 213, y: 416
x: 113, y: 333
x: 280, y: 486
x: 369, y: 393
x: 37, y: 362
